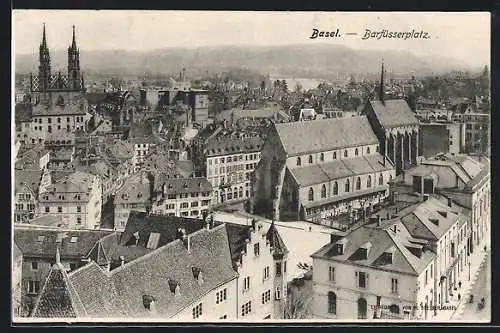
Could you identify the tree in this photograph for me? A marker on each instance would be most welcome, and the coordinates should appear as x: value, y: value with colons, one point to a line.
x: 284, y: 85
x: 299, y: 298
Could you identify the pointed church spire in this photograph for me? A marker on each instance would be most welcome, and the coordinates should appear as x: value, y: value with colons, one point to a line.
x: 58, y: 256
x: 382, y: 92
x: 73, y: 44
x: 44, y: 38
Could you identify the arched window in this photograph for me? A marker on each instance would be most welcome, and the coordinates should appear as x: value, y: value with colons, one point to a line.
x: 369, y: 181
x: 323, y: 191
x: 334, y: 155
x: 311, y: 194
x: 298, y: 161
x: 335, y: 188
x: 347, y: 185
x: 381, y: 179
x: 322, y: 157
x: 367, y: 150
x: 356, y: 152
x: 358, y: 183
x: 345, y: 153
x: 332, y: 303
x: 362, y: 309
x: 310, y: 159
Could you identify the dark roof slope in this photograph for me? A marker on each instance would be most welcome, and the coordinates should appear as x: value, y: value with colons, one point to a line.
x: 156, y: 274
x: 58, y: 298
x: 43, y: 242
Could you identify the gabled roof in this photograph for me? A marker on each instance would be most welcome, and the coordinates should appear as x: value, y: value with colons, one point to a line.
x: 96, y: 292
x: 43, y: 242
x: 57, y: 298
x: 393, y: 113
x: 228, y: 145
x: 28, y: 178
x: 381, y: 240
x: 151, y: 274
x: 329, y: 134
x: 185, y: 185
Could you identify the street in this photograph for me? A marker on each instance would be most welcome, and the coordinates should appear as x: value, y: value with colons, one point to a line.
x: 481, y: 288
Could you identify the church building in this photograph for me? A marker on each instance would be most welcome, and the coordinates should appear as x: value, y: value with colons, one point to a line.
x: 330, y: 169
x: 58, y: 104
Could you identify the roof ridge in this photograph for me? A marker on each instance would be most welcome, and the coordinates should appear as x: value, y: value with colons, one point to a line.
x: 398, y: 246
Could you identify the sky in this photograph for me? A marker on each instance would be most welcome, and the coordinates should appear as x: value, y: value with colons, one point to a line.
x: 462, y: 36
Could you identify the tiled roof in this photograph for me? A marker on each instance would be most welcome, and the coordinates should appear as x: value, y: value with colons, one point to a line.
x: 96, y: 292
x: 380, y: 241
x: 275, y: 240
x: 322, y: 173
x: 227, y: 145
x: 30, y: 157
x: 29, y: 178
x: 393, y: 113
x: 151, y: 274
x: 133, y: 193
x: 186, y: 185
x: 237, y: 234
x: 57, y: 298
x: 329, y: 134
x: 73, y: 107
x: 430, y: 209
x: 43, y: 242
x: 95, y: 98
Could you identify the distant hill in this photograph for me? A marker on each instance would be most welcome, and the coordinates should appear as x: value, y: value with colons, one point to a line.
x: 313, y: 60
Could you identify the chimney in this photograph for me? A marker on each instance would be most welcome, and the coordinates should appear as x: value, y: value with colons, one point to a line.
x: 388, y: 215
x: 122, y: 260
x: 378, y: 220
x: 394, y: 228
x: 449, y: 202
x: 253, y: 224
x: 383, y: 163
x: 426, y: 197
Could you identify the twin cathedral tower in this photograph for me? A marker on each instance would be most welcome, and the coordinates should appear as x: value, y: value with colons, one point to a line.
x: 47, y: 82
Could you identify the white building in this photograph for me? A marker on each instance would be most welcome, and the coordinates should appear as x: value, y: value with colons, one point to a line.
x: 77, y: 198
x: 230, y: 166
x: 183, y: 197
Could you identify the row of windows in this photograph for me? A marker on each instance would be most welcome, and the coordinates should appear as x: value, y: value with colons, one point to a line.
x: 322, y: 156
x: 186, y: 195
x: 347, y: 186
x: 229, y: 159
x: 60, y: 210
x: 24, y: 196
x: 20, y: 206
x: 49, y: 120
x: 361, y: 279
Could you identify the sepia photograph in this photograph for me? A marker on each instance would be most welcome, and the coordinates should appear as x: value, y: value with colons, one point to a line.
x: 258, y: 167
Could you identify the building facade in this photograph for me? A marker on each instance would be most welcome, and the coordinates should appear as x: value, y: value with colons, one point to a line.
x: 77, y: 198
x: 183, y: 197
x: 230, y: 164
x: 445, y: 137
x: 135, y: 194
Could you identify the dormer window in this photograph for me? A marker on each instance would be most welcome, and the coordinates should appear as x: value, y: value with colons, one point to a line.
x: 389, y: 255
x: 148, y: 301
x: 174, y: 287
x: 365, y: 250
x: 443, y: 213
x: 434, y: 221
x: 197, y: 274
x: 340, y: 246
